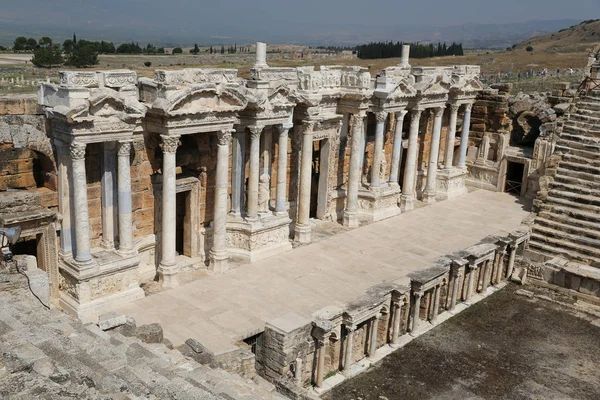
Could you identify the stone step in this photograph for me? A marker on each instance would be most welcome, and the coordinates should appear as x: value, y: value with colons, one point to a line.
x: 575, y: 196
x: 590, y: 208
x: 587, y: 154
x: 582, y: 183
x: 554, y: 251
x: 581, y: 138
x: 581, y: 160
x: 585, y: 118
x: 571, y: 128
x: 570, y: 210
x: 577, y: 145
x: 567, y: 247
x: 568, y: 221
x: 568, y: 226
x: 589, y: 105
x: 575, y: 239
x: 593, y: 177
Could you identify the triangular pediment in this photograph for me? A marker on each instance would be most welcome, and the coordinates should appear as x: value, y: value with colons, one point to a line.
x: 200, y: 99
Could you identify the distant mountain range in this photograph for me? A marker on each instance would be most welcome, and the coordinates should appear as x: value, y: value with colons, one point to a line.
x: 491, y: 36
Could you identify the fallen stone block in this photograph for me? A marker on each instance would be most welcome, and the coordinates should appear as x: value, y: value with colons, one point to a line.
x: 128, y: 328
x: 151, y: 333
x: 195, y: 350
x: 526, y: 293
x: 111, y: 320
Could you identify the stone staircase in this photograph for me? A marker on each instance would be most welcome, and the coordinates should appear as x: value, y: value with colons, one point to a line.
x: 47, y: 354
x: 568, y: 221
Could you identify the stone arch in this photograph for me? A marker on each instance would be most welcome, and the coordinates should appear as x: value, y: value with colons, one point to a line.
x: 526, y: 129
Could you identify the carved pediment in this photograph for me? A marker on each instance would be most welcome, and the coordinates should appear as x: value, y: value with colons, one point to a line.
x: 403, y: 89
x: 198, y: 99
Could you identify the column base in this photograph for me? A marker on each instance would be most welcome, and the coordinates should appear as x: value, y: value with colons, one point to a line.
x: 451, y: 183
x: 252, y: 241
x: 218, y: 261
x: 350, y: 219
x: 407, y: 202
x: 379, y: 203
x: 302, y: 233
x: 429, y: 197
x: 168, y: 275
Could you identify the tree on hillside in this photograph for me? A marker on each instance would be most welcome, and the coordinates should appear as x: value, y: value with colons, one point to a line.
x: 20, y: 43
x: 68, y: 46
x: 196, y: 49
x: 222, y: 49
x: 45, y: 42
x: 177, y: 50
x: 211, y: 50
x: 74, y: 38
x: 31, y: 44
x: 47, y: 56
x: 84, y: 54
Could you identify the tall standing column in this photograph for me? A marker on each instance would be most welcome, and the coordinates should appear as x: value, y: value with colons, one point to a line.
x: 451, y: 138
x: 408, y: 192
x: 83, y: 253
x: 436, y: 303
x: 397, y: 149
x: 218, y: 252
x: 470, y: 282
x: 416, y: 311
x: 321, y: 362
x: 455, y: 278
x: 397, y: 320
x: 65, y: 198
x: 282, y: 159
x: 434, y: 153
x: 255, y: 132
x: 302, y: 231
x: 464, y: 139
x: 167, y: 270
x: 238, y: 172
x: 378, y: 148
x: 348, y: 347
x: 108, y: 196
x: 124, y: 197
x: 351, y: 211
x: 373, y: 339
x: 511, y: 261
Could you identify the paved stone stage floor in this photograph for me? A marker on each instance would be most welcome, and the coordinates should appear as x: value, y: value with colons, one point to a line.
x: 219, y: 310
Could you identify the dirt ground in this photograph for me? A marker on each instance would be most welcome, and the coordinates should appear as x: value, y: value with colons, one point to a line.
x: 505, y: 347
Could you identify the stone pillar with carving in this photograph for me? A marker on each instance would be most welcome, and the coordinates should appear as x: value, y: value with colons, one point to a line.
x: 464, y: 139
x: 397, y: 149
x: 354, y: 175
x: 124, y: 198
x: 410, y: 170
x: 431, y: 188
x: 302, y: 230
x: 167, y: 269
x: 451, y: 138
x: 65, y: 198
x: 484, y: 150
x: 255, y: 132
x: 282, y: 159
x: 381, y: 117
x: 83, y: 253
x: 238, y: 171
x: 218, y: 252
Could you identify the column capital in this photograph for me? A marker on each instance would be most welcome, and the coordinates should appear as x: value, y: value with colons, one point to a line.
x: 224, y: 136
x: 77, y: 150
x: 468, y: 107
x: 438, y: 111
x: 381, y: 116
x: 400, y: 115
x: 357, y: 119
x: 283, y: 129
x: 255, y: 131
x: 377, y: 316
x: 417, y: 111
x: 418, y: 295
x: 170, y: 143
x: 124, y: 148
x: 454, y: 107
x: 308, y: 127
x: 350, y: 328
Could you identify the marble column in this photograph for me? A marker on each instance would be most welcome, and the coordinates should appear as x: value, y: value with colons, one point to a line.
x: 354, y: 175
x: 65, y: 197
x: 472, y: 271
x: 416, y: 310
x: 302, y: 230
x: 108, y: 196
x: 124, y: 197
x: 83, y: 253
x: 436, y: 303
x: 396, y: 326
x: 500, y: 266
x: 511, y: 261
x: 431, y: 188
x: 238, y: 172
x: 321, y: 362
x: 373, y: 339
x: 464, y: 139
x: 282, y: 159
x: 397, y: 149
x: 218, y: 252
x: 267, y: 145
x: 298, y: 372
x: 456, y: 278
x: 451, y: 138
x: 380, y: 116
x: 487, y: 272
x: 348, y: 347
x: 255, y: 132
x: 408, y: 193
x: 167, y: 269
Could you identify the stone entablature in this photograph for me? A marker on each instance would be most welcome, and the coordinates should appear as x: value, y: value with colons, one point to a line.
x: 240, y: 122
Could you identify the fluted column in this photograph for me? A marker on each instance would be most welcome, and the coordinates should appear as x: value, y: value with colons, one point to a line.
x: 451, y: 138
x: 282, y: 159
x: 255, y: 132
x: 302, y: 230
x: 348, y: 347
x: 351, y: 211
x: 397, y: 149
x: 218, y: 252
x: 434, y: 153
x: 380, y: 116
x: 456, y: 279
x: 167, y: 270
x: 108, y: 196
x: 416, y: 310
x: 396, y: 327
x: 83, y: 253
x: 373, y: 339
x: 124, y: 197
x: 408, y: 191
x: 238, y: 172
x: 464, y: 139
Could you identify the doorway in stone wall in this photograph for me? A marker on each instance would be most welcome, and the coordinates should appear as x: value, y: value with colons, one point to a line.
x: 319, y: 178
x: 514, y: 177
x: 180, y: 218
